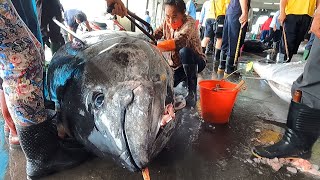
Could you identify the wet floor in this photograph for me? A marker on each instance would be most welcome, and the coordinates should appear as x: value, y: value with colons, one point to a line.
x: 199, y: 150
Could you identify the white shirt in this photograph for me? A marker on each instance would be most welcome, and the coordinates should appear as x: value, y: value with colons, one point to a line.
x: 204, y: 12
x: 275, y: 21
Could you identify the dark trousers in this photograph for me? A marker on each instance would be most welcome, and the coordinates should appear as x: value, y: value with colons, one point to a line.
x: 274, y: 36
x: 187, y: 56
x: 264, y: 34
x: 310, y: 42
x: 202, y: 29
x: 230, y: 35
x: 309, y: 81
x: 230, y: 38
x: 28, y: 13
x: 51, y: 33
x: 295, y: 26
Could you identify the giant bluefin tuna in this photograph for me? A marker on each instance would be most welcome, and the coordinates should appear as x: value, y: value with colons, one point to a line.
x: 112, y: 94
x: 280, y: 77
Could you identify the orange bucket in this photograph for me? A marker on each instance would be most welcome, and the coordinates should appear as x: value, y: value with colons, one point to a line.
x: 216, y: 105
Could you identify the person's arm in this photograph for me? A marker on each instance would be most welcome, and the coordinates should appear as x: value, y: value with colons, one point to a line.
x: 244, y: 16
x: 119, y: 8
x: 158, y: 33
x: 88, y: 26
x: 315, y: 27
x: 282, y: 16
x: 318, y: 1
x: 180, y: 40
x: 70, y: 37
x: 167, y: 45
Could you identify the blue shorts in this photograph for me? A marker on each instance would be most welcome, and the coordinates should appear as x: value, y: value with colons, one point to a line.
x: 210, y: 28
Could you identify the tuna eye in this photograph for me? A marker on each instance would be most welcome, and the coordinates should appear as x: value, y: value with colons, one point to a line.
x: 98, y: 100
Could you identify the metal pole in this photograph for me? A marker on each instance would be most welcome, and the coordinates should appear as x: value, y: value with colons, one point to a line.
x: 147, y: 5
x: 162, y: 11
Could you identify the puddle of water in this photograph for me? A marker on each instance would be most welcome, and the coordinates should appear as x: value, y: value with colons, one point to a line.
x: 266, y: 136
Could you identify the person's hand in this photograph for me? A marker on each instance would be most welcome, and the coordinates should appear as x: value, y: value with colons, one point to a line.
x: 243, y: 19
x: 152, y: 42
x: 315, y: 27
x: 119, y: 8
x: 282, y: 17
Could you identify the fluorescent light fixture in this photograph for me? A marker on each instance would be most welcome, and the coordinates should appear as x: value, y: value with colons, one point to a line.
x: 276, y: 3
x: 268, y: 3
x: 255, y: 9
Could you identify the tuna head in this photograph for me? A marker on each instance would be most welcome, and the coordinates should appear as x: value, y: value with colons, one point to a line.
x: 120, y: 99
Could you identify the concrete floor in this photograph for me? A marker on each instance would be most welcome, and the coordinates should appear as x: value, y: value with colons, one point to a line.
x: 198, y: 150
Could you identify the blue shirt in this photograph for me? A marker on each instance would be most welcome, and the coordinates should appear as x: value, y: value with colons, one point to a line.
x: 69, y: 16
x: 191, y: 9
x: 275, y: 21
x: 147, y: 18
x: 235, y: 8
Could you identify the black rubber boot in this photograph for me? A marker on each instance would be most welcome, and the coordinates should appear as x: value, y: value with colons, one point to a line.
x: 275, y: 51
x: 209, y: 48
x: 54, y: 46
x: 44, y: 152
x: 223, y: 57
x: 204, y: 50
x: 216, y: 56
x: 230, y: 65
x: 191, y: 71
x: 222, y: 64
x: 302, y: 131
x: 215, y: 64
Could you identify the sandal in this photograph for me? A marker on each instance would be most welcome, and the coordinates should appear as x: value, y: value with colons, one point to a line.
x: 14, y: 142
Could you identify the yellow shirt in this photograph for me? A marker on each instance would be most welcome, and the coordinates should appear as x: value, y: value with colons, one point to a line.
x: 221, y: 7
x: 211, y: 12
x: 301, y: 7
x: 217, y: 8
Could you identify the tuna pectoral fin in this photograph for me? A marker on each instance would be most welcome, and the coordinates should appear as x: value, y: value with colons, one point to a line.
x: 63, y: 126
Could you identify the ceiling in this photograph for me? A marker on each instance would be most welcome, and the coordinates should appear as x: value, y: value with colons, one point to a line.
x: 257, y: 4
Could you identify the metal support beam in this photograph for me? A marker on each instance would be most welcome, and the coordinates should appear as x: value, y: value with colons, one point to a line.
x: 147, y: 5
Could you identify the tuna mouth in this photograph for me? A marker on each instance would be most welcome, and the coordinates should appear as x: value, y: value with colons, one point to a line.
x: 145, y: 119
x: 166, y: 118
x: 133, y: 165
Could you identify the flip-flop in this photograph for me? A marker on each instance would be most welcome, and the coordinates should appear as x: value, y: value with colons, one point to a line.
x: 15, y: 145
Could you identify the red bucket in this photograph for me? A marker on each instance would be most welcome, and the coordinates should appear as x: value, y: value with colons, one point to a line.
x: 216, y: 105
